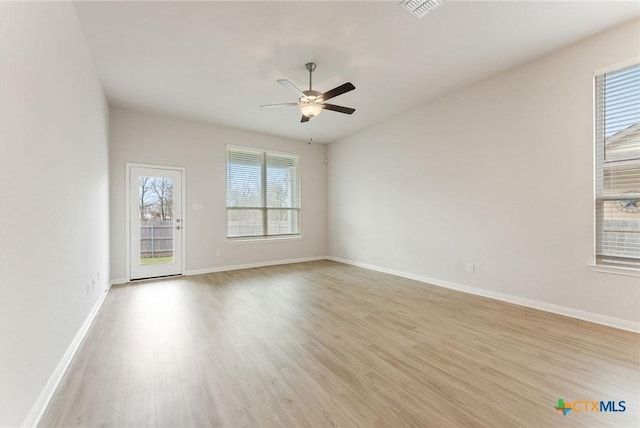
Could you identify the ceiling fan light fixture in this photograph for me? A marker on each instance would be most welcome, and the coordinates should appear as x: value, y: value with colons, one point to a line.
x: 310, y: 109
x: 420, y: 8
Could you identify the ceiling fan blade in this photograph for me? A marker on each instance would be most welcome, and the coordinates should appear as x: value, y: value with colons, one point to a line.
x: 290, y: 86
x: 279, y: 105
x: 340, y: 109
x: 346, y: 87
x: 304, y: 119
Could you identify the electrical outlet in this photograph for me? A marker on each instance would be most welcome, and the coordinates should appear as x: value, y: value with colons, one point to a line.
x: 471, y: 267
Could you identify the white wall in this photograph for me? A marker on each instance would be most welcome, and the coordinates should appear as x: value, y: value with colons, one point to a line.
x: 498, y: 174
x: 54, y: 184
x: 200, y: 148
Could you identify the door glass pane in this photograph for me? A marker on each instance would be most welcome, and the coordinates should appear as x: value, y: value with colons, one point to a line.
x: 155, y: 195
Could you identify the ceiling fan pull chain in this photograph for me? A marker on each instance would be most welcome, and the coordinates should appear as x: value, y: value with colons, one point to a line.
x: 310, y: 128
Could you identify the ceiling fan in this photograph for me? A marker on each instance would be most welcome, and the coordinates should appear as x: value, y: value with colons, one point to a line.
x: 311, y: 103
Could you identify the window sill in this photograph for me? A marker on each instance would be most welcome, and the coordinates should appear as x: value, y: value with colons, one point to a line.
x: 615, y: 270
x: 253, y: 239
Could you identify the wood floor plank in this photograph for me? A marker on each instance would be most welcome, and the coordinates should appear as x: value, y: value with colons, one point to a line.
x: 323, y: 344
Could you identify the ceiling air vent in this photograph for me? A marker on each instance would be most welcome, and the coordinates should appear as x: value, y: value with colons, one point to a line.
x: 420, y: 8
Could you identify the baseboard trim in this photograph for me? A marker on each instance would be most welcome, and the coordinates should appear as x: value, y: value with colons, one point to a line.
x: 40, y: 405
x: 253, y: 265
x: 521, y: 301
x: 117, y: 281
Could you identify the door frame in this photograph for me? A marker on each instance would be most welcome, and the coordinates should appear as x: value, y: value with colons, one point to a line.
x: 127, y: 175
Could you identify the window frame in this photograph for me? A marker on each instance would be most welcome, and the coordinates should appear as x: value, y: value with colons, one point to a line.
x: 264, y: 209
x: 605, y: 263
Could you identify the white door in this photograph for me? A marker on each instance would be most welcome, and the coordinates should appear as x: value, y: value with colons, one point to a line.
x: 156, y: 225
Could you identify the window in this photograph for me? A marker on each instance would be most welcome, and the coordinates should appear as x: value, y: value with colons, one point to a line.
x: 263, y: 198
x: 617, y: 131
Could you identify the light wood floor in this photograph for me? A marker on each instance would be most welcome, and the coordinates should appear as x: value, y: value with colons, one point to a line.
x: 326, y: 344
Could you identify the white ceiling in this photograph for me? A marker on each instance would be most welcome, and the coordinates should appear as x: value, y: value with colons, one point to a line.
x: 218, y: 61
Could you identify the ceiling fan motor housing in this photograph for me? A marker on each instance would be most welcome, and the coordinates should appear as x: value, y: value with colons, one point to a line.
x: 310, y: 96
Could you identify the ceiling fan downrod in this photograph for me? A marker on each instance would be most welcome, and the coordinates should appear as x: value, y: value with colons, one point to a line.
x: 311, y: 66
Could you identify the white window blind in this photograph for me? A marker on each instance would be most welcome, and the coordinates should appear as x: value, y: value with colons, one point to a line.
x: 262, y: 193
x: 617, y: 131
